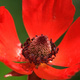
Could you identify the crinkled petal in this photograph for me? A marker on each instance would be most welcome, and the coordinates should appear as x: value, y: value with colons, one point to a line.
x: 58, y: 74
x: 10, y: 46
x: 69, y: 49
x: 48, y: 17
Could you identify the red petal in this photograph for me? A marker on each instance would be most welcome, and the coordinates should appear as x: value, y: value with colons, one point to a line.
x: 10, y: 46
x: 52, y: 73
x: 69, y: 49
x: 18, y: 67
x: 8, y: 37
x: 48, y: 17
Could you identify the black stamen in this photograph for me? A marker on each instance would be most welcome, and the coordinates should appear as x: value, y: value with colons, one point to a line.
x: 38, y: 58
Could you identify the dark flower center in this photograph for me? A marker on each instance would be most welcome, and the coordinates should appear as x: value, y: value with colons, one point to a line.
x: 39, y: 50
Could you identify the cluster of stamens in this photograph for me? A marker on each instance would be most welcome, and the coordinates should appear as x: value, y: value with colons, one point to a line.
x: 39, y: 50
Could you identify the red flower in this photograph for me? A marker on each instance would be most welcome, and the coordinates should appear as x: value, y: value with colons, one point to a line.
x: 48, y: 17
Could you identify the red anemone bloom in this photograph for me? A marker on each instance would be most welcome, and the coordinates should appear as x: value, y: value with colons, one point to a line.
x: 51, y: 18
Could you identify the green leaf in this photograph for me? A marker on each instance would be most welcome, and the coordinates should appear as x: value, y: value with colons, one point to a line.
x: 59, y: 67
x: 19, y: 62
x: 60, y: 39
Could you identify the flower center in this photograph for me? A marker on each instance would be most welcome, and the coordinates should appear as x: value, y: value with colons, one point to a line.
x: 39, y: 50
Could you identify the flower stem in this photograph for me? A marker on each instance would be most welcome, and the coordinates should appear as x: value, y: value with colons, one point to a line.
x: 33, y: 76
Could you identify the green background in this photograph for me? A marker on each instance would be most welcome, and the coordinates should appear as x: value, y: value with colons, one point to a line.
x: 15, y: 8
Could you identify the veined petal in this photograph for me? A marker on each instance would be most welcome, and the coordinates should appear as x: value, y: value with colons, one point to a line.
x: 48, y: 17
x: 10, y: 46
x: 58, y: 74
x: 69, y: 49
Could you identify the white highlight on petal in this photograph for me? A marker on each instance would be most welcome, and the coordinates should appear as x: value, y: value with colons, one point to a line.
x: 50, y: 61
x: 7, y: 75
x: 19, y: 49
x: 19, y: 44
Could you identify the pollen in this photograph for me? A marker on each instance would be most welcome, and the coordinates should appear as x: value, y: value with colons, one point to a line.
x: 39, y: 50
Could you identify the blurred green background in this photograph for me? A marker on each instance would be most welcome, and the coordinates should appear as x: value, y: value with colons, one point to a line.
x: 15, y: 8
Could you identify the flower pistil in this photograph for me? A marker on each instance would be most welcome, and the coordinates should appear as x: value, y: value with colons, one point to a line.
x: 39, y: 50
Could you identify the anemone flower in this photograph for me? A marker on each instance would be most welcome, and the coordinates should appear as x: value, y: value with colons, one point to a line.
x: 48, y: 20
